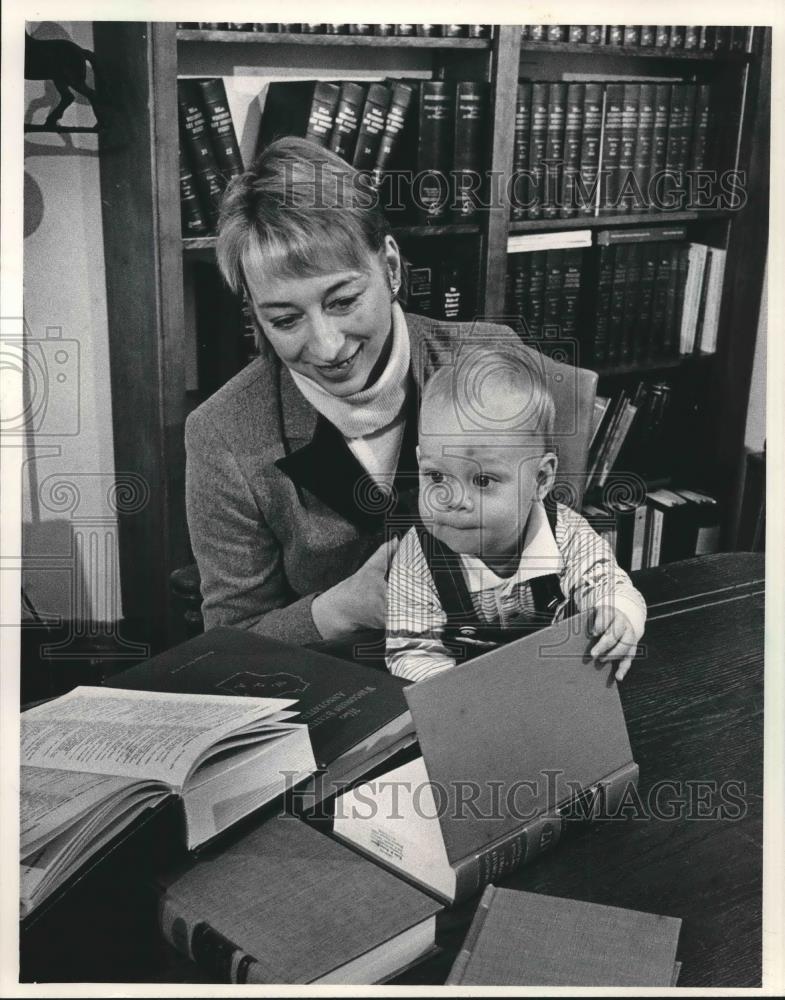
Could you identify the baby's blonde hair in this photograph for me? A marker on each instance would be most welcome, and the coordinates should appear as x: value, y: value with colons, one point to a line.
x: 496, y: 390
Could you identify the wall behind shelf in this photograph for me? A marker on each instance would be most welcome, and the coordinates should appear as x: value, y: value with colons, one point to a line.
x: 69, y: 551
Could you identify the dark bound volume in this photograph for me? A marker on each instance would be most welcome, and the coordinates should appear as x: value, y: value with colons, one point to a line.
x: 434, y: 149
x: 615, y: 34
x: 659, y: 142
x: 288, y: 904
x: 419, y: 289
x: 648, y: 35
x: 662, y: 36
x: 399, y: 115
x: 677, y: 36
x: 304, y: 108
x: 470, y: 145
x: 192, y: 218
x: 537, y: 140
x: 643, y: 147
x: 611, y: 147
x: 374, y: 115
x: 595, y: 34
x: 625, y: 176
x: 356, y: 715
x: 677, y: 281
x: 642, y: 323
x: 449, y: 295
x: 196, y: 134
x: 536, y: 312
x: 691, y: 36
x: 676, y: 126
x: 632, y: 34
x: 520, y: 150
x: 576, y: 33
x: 631, y: 317
x: 698, y: 154
x: 602, y: 317
x: 453, y: 851
x: 687, y: 127
x: 618, y: 290
x: 554, y: 148
x: 591, y: 135
x: 572, y: 264
x: 573, y: 125
x: 347, y: 120
x: 554, y: 283
x: 219, y: 121
x: 511, y: 943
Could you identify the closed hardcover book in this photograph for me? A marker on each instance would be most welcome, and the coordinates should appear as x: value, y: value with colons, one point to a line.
x: 520, y: 151
x: 630, y: 324
x: 618, y: 291
x: 659, y: 142
x: 196, y: 136
x: 644, y: 142
x: 674, y: 308
x: 522, y: 938
x: 625, y: 177
x: 419, y: 289
x: 706, y: 515
x: 536, y: 293
x: 579, y: 760
x: 374, y: 116
x: 674, y: 146
x: 700, y: 143
x: 434, y: 149
x: 642, y: 323
x: 571, y: 268
x: 677, y: 529
x: 591, y: 135
x: 554, y: 148
x: 219, y: 121
x: 573, y: 126
x: 537, y: 142
x: 356, y: 716
x: 706, y: 342
x: 192, y: 218
x: 687, y: 131
x: 303, y: 108
x: 347, y: 120
x: 470, y: 148
x: 611, y: 148
x: 288, y: 904
x: 602, y: 316
x: 396, y: 126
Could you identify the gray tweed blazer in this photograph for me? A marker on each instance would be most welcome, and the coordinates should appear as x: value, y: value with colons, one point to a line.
x: 274, y: 494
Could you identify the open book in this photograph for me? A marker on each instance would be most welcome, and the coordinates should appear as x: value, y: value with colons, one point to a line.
x: 94, y: 760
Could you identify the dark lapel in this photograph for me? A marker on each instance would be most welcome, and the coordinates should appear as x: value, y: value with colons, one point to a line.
x: 327, y: 467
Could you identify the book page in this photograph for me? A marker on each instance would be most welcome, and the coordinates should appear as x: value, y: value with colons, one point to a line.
x: 50, y: 801
x: 135, y: 734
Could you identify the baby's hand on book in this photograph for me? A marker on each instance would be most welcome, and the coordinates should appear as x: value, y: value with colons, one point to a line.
x: 618, y: 640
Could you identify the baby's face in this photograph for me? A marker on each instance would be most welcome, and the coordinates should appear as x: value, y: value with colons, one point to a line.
x: 476, y: 495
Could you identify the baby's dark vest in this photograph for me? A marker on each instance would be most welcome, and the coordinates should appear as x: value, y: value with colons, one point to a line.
x: 465, y: 632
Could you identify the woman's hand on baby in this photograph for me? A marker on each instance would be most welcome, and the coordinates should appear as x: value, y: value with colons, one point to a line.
x: 618, y: 638
x: 359, y: 601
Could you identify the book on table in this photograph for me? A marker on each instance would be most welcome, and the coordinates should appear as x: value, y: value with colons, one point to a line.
x: 95, y: 761
x: 512, y: 936
x: 516, y: 745
x: 357, y: 716
x: 288, y: 904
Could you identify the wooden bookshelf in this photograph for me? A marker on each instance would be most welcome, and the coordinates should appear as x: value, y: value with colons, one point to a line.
x: 147, y: 259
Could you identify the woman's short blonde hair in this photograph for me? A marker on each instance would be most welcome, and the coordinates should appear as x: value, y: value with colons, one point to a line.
x: 299, y: 211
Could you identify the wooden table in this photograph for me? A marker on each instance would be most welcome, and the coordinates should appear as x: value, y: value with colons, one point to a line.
x: 694, y: 708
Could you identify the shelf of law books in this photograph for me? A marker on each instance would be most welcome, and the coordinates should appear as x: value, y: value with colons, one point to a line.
x: 634, y: 188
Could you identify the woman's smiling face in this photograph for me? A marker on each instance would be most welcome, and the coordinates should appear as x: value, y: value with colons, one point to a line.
x: 333, y: 327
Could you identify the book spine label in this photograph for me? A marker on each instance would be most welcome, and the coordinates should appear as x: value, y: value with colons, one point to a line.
x: 347, y: 120
x: 471, y: 121
x: 644, y: 143
x: 611, y: 147
x: 193, y: 220
x: 520, y: 150
x: 434, y: 153
x: 591, y: 135
x: 400, y: 104
x: 321, y: 118
x: 603, y: 306
x: 369, y: 138
x: 537, y: 140
x: 219, y: 121
x: 573, y: 127
x: 505, y: 856
x: 625, y: 179
x: 554, y: 147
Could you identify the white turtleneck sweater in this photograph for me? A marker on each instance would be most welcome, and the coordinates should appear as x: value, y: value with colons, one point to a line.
x: 371, y: 420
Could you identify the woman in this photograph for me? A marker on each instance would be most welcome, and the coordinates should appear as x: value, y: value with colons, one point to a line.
x: 290, y: 464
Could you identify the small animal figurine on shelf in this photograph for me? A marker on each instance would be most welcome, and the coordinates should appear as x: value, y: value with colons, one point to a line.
x: 65, y: 64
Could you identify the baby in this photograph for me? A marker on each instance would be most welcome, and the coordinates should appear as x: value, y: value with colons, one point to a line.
x: 495, y: 557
